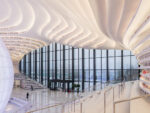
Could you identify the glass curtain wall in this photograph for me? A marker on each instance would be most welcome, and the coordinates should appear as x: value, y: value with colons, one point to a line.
x: 58, y: 66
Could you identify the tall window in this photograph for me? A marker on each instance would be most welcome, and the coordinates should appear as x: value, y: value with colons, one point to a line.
x: 63, y: 66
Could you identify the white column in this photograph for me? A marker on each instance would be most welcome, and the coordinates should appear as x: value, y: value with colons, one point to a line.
x: 6, y: 76
x: 16, y: 66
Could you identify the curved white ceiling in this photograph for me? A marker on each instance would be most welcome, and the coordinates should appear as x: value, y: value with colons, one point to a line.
x: 107, y: 24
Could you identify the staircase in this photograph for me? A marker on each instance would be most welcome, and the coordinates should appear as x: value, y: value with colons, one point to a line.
x: 26, y: 83
x: 16, y: 105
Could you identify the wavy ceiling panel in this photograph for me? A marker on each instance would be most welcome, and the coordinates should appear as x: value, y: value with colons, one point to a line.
x: 103, y: 24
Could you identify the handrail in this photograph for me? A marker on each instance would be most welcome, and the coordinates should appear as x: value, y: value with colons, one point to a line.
x: 75, y: 101
x: 134, y: 98
x: 45, y: 108
x: 105, y: 91
x: 125, y: 100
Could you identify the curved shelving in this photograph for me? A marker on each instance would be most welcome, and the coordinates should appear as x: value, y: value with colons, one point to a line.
x: 145, y: 81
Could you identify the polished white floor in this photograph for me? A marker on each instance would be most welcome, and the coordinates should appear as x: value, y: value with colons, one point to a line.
x: 44, y: 97
x: 91, y: 103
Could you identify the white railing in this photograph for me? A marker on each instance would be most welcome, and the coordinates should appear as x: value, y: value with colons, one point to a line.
x: 80, y: 105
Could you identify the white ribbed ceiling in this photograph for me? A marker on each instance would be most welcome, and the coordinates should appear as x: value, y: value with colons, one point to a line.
x: 106, y: 24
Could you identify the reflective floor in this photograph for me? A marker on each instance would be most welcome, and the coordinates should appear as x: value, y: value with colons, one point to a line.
x: 53, y: 100
x: 44, y: 97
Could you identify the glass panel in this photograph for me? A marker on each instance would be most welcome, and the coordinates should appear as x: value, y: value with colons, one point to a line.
x: 58, y: 55
x: 134, y: 64
x: 75, y: 53
x: 118, y: 62
x: 91, y: 53
x: 111, y: 75
x: 98, y: 63
x: 91, y: 63
x: 98, y: 75
x: 118, y: 75
x: 103, y: 63
x: 103, y: 75
x: 118, y: 52
x: 86, y: 53
x: 86, y: 75
x: 66, y: 54
x: 103, y: 53
x: 75, y: 64
x: 134, y: 74
x: 127, y: 74
x: 111, y: 53
x: 126, y: 62
x: 111, y: 64
x: 86, y: 63
x: 91, y: 75
x: 98, y: 53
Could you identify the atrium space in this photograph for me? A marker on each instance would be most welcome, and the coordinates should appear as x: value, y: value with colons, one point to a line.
x: 74, y: 56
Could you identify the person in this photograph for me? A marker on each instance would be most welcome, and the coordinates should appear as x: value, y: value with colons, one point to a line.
x: 31, y: 88
x: 27, y: 96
